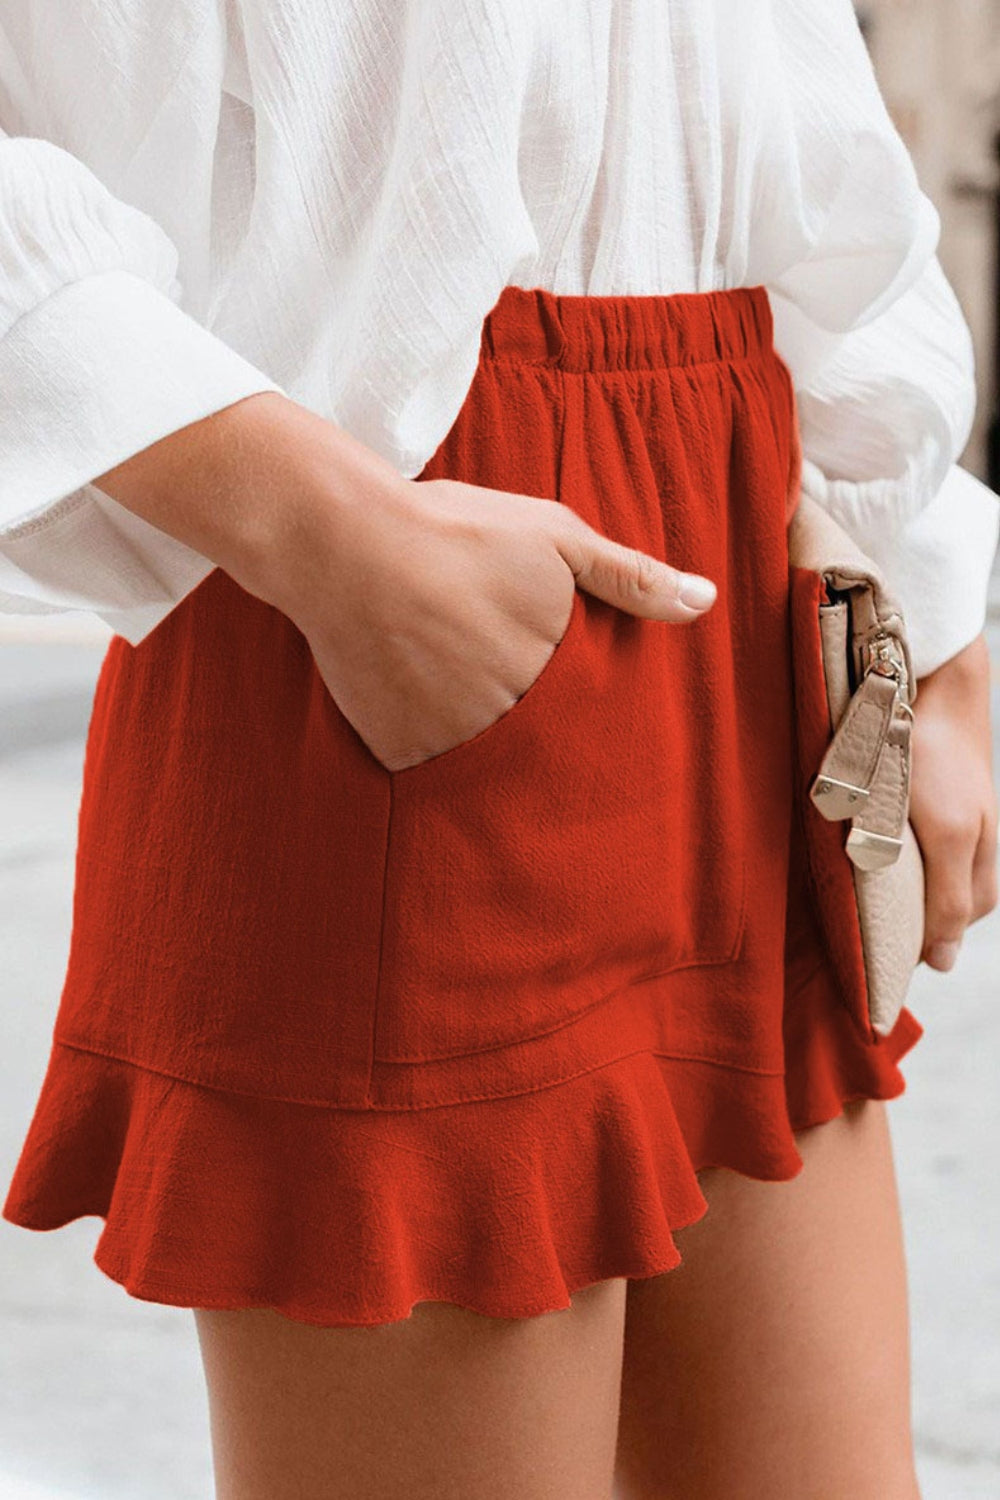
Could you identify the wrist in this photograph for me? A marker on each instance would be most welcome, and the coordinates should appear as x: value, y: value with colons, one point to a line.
x: 967, y: 669
x: 959, y: 692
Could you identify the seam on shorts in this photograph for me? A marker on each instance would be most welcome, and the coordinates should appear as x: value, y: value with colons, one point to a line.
x: 326, y: 1104
x: 648, y: 975
x: 373, y: 1033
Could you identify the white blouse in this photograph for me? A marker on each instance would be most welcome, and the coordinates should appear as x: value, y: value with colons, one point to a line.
x: 215, y: 197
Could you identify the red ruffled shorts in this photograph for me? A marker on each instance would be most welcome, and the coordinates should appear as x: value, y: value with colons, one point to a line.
x: 336, y: 1040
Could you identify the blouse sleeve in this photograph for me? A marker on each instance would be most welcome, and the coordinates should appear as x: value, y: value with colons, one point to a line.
x: 883, y: 421
x: 97, y: 361
x: 879, y: 351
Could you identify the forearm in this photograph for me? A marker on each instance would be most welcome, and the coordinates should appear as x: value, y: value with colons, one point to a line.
x: 244, y: 485
x: 961, y: 685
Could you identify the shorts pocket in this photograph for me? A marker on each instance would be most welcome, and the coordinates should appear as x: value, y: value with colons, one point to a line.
x: 590, y: 837
x: 482, y: 743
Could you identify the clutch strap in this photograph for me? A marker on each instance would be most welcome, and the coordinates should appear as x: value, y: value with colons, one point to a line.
x: 865, y: 772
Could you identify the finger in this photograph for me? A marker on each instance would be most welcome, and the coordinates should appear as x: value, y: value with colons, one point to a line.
x: 948, y: 860
x: 631, y: 580
x: 984, y: 869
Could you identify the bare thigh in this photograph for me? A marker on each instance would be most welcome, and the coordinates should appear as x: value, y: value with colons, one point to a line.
x: 443, y: 1404
x: 774, y: 1361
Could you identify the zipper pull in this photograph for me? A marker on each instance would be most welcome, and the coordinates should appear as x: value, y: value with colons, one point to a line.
x: 843, y: 783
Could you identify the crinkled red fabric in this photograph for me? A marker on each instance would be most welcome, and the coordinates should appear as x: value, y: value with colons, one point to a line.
x: 214, y: 1199
x: 336, y: 1040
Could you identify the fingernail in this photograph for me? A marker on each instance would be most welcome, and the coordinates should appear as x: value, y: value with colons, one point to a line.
x: 696, y: 592
x: 942, y: 955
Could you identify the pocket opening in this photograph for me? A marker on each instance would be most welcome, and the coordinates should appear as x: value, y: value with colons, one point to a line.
x: 492, y: 731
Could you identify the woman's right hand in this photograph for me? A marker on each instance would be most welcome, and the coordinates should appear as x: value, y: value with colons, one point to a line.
x: 443, y: 604
x: 430, y: 606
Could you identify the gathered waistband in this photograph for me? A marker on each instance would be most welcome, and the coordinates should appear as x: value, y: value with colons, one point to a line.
x: 532, y: 325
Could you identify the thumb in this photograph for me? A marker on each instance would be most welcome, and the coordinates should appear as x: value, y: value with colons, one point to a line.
x: 632, y: 580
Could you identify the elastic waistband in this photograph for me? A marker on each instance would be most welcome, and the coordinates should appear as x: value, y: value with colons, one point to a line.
x: 628, y: 332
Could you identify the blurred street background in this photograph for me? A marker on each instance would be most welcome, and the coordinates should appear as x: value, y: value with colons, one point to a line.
x: 938, y: 63
x: 103, y: 1395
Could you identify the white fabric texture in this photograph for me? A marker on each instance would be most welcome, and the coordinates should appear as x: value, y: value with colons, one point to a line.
x: 214, y: 197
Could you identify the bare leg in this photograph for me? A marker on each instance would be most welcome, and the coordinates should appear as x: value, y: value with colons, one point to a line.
x: 774, y: 1361
x: 445, y: 1404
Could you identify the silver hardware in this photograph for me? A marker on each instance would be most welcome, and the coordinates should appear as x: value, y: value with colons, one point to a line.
x: 882, y: 654
x: 872, y: 851
x: 824, y: 784
x: 857, y: 745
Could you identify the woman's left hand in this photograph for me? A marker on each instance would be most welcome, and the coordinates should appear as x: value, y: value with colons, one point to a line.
x: 953, y: 799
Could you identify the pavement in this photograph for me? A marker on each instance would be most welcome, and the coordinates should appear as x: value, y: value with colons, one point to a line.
x: 104, y: 1394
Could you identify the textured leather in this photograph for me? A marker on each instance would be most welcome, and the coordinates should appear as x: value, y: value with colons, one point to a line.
x: 885, y: 811
x: 855, y: 752
x: 833, y: 624
x: 891, y: 914
x: 870, y: 750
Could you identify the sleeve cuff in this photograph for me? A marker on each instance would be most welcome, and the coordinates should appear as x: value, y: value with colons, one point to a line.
x: 95, y: 373
x: 101, y: 369
x: 939, y: 566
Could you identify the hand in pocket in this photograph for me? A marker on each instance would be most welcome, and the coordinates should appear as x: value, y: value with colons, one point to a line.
x: 430, y: 606
x: 448, y: 605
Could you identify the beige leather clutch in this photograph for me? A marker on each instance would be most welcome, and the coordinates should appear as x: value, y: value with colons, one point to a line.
x: 864, y: 774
